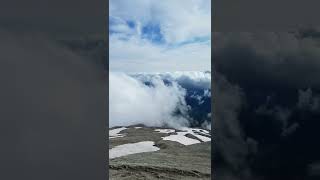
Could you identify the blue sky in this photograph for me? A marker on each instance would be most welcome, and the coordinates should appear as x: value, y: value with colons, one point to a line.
x: 159, y: 35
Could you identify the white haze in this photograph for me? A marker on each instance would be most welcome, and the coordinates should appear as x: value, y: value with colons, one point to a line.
x: 132, y: 102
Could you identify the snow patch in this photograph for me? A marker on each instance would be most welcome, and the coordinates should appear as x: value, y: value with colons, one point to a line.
x: 115, y: 133
x: 132, y: 148
x: 182, y: 139
x: 165, y: 130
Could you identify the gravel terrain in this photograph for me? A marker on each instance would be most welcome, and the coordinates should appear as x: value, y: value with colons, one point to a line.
x: 173, y: 161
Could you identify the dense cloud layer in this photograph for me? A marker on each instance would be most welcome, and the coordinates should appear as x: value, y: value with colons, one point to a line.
x: 266, y: 117
x: 177, y: 99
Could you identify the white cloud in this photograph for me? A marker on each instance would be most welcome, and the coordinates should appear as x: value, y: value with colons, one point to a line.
x: 179, y: 19
x: 132, y: 102
x: 198, y: 79
x: 181, y: 24
x: 138, y: 55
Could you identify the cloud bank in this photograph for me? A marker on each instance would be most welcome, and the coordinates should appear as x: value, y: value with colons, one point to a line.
x: 156, y: 99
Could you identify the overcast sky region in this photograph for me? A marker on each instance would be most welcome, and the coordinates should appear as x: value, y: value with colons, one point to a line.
x: 159, y: 36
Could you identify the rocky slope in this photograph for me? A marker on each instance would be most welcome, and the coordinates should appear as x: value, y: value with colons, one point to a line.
x: 158, y: 153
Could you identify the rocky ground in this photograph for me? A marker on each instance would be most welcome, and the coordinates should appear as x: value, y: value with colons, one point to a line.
x: 173, y: 154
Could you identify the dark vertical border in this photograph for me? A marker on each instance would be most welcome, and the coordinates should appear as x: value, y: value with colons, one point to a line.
x: 212, y: 85
x: 260, y: 17
x: 39, y: 139
x: 107, y: 74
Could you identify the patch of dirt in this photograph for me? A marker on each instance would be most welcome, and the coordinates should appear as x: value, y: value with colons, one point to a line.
x: 149, y: 172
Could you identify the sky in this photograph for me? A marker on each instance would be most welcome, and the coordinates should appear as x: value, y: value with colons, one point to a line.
x: 159, y: 36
